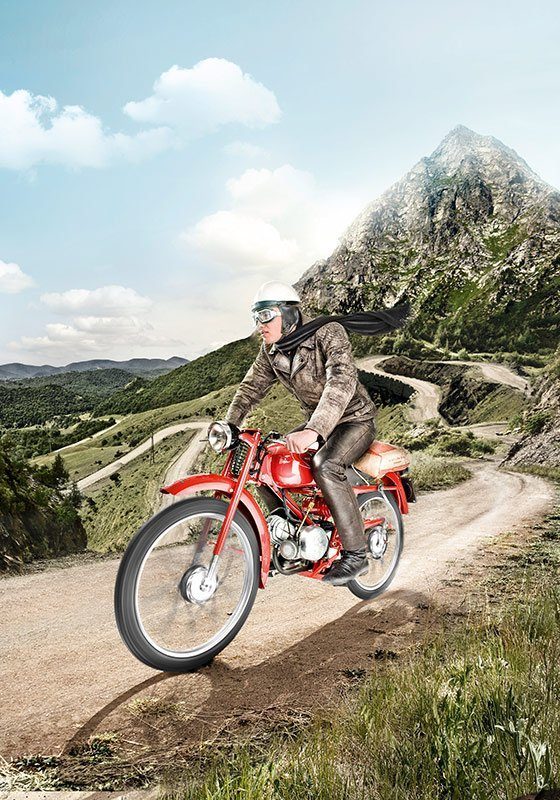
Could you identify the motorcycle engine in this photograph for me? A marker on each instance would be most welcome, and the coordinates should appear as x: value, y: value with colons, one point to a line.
x: 310, y: 544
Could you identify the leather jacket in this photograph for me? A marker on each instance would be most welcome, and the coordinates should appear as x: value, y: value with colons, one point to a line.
x: 321, y: 374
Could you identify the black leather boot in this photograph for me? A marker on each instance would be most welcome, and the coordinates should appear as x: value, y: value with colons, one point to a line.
x: 351, y: 564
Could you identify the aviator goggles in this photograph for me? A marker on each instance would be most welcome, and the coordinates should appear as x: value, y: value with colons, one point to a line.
x: 265, y: 315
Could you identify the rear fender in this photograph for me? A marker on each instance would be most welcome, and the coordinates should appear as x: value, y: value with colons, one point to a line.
x: 249, y: 506
x: 393, y: 482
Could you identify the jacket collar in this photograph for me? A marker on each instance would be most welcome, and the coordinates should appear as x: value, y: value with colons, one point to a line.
x: 281, y: 362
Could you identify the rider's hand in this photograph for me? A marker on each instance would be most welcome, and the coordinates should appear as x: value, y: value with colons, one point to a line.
x: 300, y: 441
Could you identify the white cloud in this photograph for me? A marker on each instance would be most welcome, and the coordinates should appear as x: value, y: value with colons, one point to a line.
x: 200, y: 99
x: 33, y: 130
x: 110, y: 322
x: 185, y: 103
x: 241, y: 240
x: 106, y: 299
x: 277, y: 217
x: 245, y: 150
x: 12, y: 278
x: 106, y: 337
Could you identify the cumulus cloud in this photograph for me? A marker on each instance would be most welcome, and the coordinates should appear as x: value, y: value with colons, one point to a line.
x: 202, y: 98
x: 109, y: 300
x: 110, y: 321
x: 33, y: 130
x: 185, y: 103
x: 278, y: 217
x: 12, y: 278
x: 241, y: 240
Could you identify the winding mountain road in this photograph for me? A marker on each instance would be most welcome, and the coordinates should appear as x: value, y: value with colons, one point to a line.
x: 497, y: 373
x: 424, y: 402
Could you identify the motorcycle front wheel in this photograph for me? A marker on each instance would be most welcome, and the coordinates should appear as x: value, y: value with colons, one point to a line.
x: 384, y: 543
x: 168, y: 615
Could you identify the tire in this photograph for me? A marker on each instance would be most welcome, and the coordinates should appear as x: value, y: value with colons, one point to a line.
x: 381, y: 570
x: 163, y: 614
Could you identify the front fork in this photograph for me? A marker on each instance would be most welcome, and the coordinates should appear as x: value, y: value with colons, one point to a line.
x: 230, y: 513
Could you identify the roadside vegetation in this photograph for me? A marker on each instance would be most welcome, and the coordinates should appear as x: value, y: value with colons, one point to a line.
x: 116, y: 507
x: 38, y: 512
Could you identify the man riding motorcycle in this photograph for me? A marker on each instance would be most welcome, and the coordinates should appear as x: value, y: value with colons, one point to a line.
x: 320, y: 372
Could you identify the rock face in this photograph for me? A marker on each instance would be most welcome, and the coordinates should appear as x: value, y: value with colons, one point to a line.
x: 470, y: 236
x: 540, y: 446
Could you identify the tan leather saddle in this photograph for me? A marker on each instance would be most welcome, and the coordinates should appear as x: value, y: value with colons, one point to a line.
x: 381, y: 458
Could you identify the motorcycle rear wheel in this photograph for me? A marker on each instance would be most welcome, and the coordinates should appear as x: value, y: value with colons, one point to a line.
x: 384, y: 544
x: 165, y: 614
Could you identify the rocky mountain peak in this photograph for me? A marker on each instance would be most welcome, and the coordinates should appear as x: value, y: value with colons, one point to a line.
x: 470, y: 230
x: 463, y: 149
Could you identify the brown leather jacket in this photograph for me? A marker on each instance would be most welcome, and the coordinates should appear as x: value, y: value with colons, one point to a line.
x: 321, y: 374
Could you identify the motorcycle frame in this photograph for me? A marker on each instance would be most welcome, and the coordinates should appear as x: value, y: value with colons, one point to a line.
x: 227, y: 485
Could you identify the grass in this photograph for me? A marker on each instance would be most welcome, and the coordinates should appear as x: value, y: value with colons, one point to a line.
x: 392, y: 423
x: 472, y: 713
x: 115, y: 509
x: 501, y: 405
x: 430, y: 473
x: 541, y: 470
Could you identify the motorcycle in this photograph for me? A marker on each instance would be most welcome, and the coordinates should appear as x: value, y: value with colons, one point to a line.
x: 188, y: 578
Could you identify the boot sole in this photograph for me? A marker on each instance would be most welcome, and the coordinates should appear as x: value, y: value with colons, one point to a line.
x: 344, y: 579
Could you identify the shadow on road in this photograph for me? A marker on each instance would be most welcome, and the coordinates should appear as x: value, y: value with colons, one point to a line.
x: 307, y: 675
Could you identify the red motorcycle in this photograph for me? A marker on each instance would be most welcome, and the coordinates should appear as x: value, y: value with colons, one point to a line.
x: 189, y: 577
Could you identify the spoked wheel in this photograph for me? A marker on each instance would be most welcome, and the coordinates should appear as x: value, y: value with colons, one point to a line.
x: 385, y: 534
x: 171, y: 612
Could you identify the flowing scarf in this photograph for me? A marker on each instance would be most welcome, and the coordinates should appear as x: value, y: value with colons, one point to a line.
x: 368, y: 323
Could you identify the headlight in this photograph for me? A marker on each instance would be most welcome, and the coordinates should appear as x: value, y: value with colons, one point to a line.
x: 222, y: 436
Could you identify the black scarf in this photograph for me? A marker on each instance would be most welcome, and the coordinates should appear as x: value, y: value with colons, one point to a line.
x: 368, y: 323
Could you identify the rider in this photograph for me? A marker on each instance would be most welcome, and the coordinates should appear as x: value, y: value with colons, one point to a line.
x: 321, y: 373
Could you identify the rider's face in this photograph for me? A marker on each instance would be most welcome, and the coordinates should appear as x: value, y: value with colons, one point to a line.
x: 271, y: 331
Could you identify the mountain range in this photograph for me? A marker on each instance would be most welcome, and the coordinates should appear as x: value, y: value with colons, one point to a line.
x: 470, y: 236
x: 138, y: 366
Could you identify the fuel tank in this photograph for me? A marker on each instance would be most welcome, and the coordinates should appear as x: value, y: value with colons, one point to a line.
x: 287, y: 470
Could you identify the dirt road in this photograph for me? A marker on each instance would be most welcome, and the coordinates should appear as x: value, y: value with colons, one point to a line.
x: 66, y: 673
x: 180, y: 468
x: 424, y: 402
x: 497, y: 373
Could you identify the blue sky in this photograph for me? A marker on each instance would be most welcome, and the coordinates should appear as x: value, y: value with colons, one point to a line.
x: 139, y: 221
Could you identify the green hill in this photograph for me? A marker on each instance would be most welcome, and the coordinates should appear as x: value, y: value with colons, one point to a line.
x: 36, y: 400
x: 224, y: 367
x: 212, y: 371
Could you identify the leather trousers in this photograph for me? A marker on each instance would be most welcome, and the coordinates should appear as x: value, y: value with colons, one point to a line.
x: 347, y: 442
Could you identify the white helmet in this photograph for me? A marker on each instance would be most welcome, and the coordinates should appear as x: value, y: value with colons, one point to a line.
x: 274, y: 293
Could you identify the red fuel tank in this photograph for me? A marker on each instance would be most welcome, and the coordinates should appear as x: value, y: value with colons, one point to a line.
x: 287, y: 470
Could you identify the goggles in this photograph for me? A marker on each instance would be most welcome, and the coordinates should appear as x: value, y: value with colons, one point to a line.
x: 265, y: 315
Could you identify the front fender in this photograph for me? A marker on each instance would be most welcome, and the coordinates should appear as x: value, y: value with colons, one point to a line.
x: 220, y: 483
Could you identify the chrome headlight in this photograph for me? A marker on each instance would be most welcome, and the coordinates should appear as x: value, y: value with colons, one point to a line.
x: 222, y: 436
